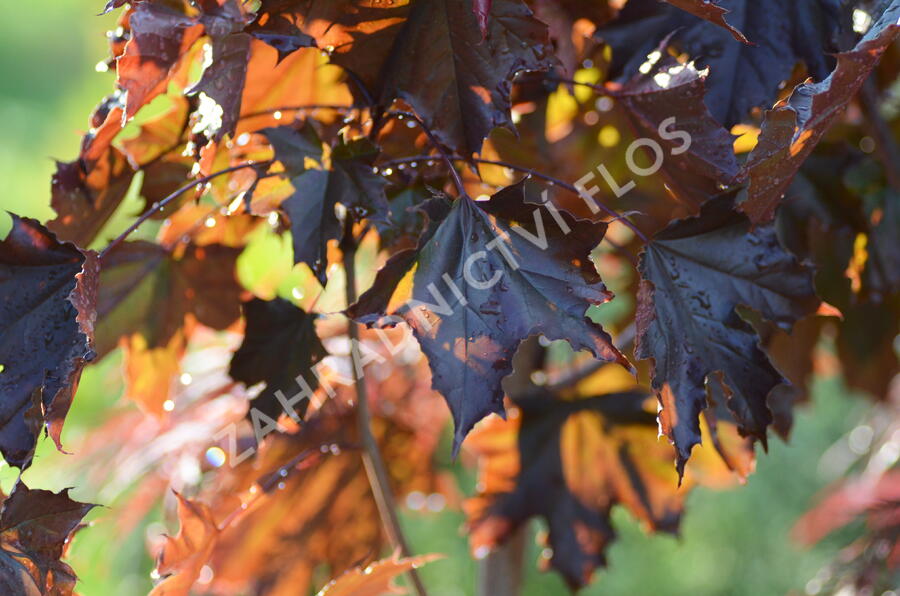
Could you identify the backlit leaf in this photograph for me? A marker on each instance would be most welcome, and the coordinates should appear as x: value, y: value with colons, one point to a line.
x: 570, y: 462
x: 159, y: 38
x: 35, y: 528
x: 184, y: 555
x: 148, y: 290
x: 666, y: 106
x: 376, y: 578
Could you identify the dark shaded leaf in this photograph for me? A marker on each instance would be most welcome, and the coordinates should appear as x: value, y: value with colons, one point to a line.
x: 824, y: 223
x: 221, y: 86
x: 741, y: 76
x: 866, y: 345
x: 406, y: 220
x: 46, y: 333
x: 350, y: 181
x: 694, y: 274
x: 35, y: 527
x: 881, y: 275
x: 351, y: 165
x: 489, y: 274
x: 432, y: 56
x: 794, y: 127
x: 280, y: 32
x: 456, y: 82
x: 313, y: 221
x: 793, y: 355
x: 698, y: 156
x: 358, y: 35
x: 295, y: 147
x: 161, y: 178
x: 280, y: 344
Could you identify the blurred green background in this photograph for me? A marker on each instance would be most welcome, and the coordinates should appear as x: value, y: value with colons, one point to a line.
x: 733, y: 542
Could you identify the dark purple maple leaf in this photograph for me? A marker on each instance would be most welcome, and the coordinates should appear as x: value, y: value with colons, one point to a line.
x: 695, y: 273
x: 46, y: 333
x: 489, y: 274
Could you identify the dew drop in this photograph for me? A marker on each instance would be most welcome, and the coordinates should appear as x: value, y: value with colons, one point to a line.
x: 215, y: 456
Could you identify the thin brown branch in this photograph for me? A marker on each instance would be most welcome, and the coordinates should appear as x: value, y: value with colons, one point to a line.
x: 500, y: 572
x: 555, y: 181
x: 300, y: 108
x: 575, y: 376
x: 174, y: 195
x: 571, y: 188
x: 358, y: 82
x: 303, y: 460
x: 371, y: 455
x: 216, y: 208
x: 457, y: 180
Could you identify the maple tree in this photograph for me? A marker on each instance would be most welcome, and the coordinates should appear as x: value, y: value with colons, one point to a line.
x: 461, y: 182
